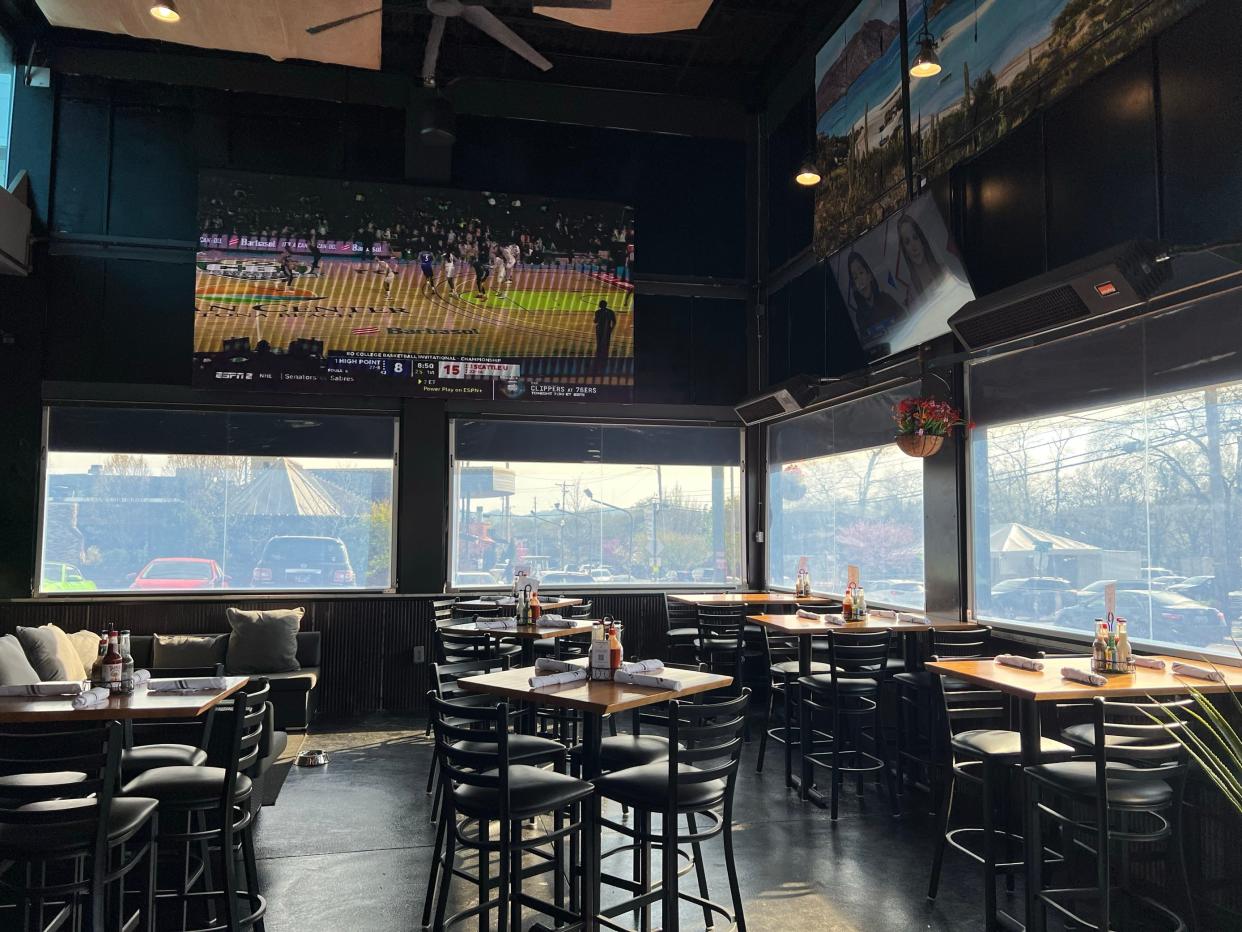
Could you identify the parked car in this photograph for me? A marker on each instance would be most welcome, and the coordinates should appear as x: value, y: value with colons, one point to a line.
x: 293, y: 562
x: 63, y: 577
x: 1166, y: 582
x: 1099, y: 584
x: 565, y: 578
x: 1028, y: 597
x: 1199, y: 588
x: 1154, y: 572
x: 474, y: 578
x: 906, y: 593
x: 1161, y: 616
x: 601, y: 574
x: 180, y: 573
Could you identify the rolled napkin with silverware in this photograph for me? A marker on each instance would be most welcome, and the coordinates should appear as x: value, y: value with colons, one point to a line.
x: 96, y: 696
x: 141, y: 678
x: 829, y: 618
x: 496, y: 624
x: 49, y: 688
x: 910, y: 618
x: 1197, y: 672
x: 643, y: 666
x: 1022, y: 663
x: 1086, y: 677
x: 556, y: 679
x: 552, y: 665
x: 556, y: 621
x: 647, y: 679
x: 187, y: 684
x: 1152, y: 663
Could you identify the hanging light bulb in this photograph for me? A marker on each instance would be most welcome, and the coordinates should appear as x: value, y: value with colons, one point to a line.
x: 926, y: 63
x: 808, y: 175
x: 166, y: 11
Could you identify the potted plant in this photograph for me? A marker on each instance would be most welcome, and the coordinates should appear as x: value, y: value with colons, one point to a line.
x: 923, y: 424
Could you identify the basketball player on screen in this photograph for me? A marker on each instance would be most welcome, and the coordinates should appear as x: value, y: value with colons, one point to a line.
x: 449, y: 264
x: 425, y: 260
x: 286, y: 266
x: 388, y: 269
x: 605, y: 324
x: 482, y: 268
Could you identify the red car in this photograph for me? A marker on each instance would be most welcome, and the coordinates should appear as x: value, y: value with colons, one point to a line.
x: 180, y: 573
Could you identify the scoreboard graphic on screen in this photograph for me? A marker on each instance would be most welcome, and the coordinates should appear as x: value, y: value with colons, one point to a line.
x: 327, y: 286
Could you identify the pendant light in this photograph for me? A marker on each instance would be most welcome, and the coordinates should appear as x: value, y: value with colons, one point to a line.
x: 926, y: 63
x: 808, y: 175
x: 166, y: 11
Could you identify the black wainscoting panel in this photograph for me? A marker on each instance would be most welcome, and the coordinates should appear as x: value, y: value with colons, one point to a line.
x: 1200, y: 75
x: 1002, y: 197
x: 154, y: 177
x: 80, y: 165
x: 405, y: 683
x: 1101, y: 162
x: 643, y: 617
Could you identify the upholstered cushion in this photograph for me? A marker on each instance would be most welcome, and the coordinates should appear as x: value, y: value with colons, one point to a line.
x: 263, y: 642
x: 530, y: 749
x: 124, y: 819
x: 184, y: 651
x: 647, y: 787
x: 1084, y: 737
x: 1006, y: 745
x: 925, y: 679
x: 623, y: 751
x: 682, y: 634
x: 48, y: 654
x: 531, y: 791
x: 1078, y: 778
x: 185, y: 785
x: 791, y: 667
x: 853, y: 685
x: 149, y: 756
x: 86, y: 643
x: 15, y: 666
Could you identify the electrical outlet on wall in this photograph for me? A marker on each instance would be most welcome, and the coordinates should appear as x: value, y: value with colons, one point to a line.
x: 419, y: 654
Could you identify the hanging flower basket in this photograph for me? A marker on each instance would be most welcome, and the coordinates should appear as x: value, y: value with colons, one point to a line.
x: 919, y: 444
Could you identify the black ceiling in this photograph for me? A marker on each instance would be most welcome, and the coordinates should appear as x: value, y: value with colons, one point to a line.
x: 738, y: 46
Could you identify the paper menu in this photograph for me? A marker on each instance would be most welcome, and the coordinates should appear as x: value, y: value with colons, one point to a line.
x: 851, y: 573
x: 1110, y: 600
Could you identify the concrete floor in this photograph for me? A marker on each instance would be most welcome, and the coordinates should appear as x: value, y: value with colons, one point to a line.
x: 348, y: 847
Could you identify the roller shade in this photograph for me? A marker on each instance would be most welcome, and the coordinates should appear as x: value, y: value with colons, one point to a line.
x: 499, y: 441
x: 217, y: 433
x: 854, y: 425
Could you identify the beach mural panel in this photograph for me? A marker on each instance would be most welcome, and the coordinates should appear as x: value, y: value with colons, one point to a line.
x: 1002, y: 60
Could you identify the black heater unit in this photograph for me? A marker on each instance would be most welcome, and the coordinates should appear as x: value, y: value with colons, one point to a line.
x: 788, y: 397
x: 1105, y: 283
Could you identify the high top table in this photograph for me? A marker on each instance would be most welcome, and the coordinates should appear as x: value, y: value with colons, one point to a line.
x: 476, y: 605
x: 525, y: 635
x: 594, y: 699
x: 1038, y: 692
x: 747, y: 598
x: 142, y: 704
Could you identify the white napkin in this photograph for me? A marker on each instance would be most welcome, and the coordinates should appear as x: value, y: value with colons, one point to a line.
x: 556, y: 621
x: 496, y: 624
x: 551, y: 665
x: 141, y: 678
x: 556, y: 679
x: 189, y: 684
x: 832, y: 618
x: 97, y: 696
x: 1154, y: 663
x: 1199, y: 673
x: 49, y: 688
x: 1086, y: 677
x: 1022, y: 663
x: 647, y: 679
x: 907, y: 617
x: 643, y: 666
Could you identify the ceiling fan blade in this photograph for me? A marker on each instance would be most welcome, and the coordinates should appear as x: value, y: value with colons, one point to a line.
x: 485, y: 20
x: 324, y: 27
x: 432, y: 54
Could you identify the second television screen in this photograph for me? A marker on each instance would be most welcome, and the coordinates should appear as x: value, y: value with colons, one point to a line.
x: 317, y: 285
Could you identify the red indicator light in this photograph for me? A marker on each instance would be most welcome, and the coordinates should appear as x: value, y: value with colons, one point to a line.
x: 1106, y: 289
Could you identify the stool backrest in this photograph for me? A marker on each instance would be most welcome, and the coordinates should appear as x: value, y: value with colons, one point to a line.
x: 680, y: 614
x: 1143, y: 735
x: 485, y: 763
x: 858, y: 655
x: 444, y: 676
x: 462, y: 612
x: 721, y: 622
x: 961, y: 644
x: 245, y: 719
x: 581, y: 611
x: 705, y: 742
x: 455, y: 646
x: 442, y: 610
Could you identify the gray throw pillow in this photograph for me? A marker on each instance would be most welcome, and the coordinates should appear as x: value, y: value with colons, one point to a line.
x: 43, y: 652
x: 184, y: 651
x: 15, y: 669
x: 263, y: 642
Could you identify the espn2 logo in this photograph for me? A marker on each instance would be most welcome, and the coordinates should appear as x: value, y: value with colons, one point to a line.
x: 235, y: 375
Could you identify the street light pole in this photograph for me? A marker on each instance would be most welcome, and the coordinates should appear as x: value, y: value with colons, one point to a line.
x: 629, y: 553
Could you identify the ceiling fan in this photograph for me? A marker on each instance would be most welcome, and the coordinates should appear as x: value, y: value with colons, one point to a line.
x: 475, y: 13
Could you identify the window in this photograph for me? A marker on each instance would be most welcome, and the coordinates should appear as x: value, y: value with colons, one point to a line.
x: 841, y: 493
x: 1113, y: 457
x: 167, y: 501
x: 596, y: 505
x: 8, y: 82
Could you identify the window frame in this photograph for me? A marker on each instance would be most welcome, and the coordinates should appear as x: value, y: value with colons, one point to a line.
x: 248, y: 593
x: 6, y: 130
x: 451, y: 525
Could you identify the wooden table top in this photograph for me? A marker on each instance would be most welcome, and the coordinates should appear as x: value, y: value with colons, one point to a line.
x: 1048, y: 685
x: 142, y: 704
x: 479, y: 604
x: 597, y: 697
x: 747, y: 598
x: 806, y: 627
x: 521, y: 631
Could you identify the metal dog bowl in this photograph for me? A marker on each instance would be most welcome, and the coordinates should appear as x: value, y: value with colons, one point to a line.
x: 315, y: 757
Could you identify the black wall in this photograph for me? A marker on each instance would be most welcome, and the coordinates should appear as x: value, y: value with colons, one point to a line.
x: 1152, y: 147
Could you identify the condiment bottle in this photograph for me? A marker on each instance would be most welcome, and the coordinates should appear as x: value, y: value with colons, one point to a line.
x: 847, y: 605
x: 1099, y: 657
x: 535, y: 608
x: 614, y: 650
x: 113, y: 663
x: 860, y: 603
x: 1123, y: 643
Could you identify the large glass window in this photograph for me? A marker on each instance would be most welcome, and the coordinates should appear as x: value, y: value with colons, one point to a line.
x: 841, y: 493
x: 1114, y: 458
x: 166, y: 501
x: 7, y: 87
x: 604, y: 505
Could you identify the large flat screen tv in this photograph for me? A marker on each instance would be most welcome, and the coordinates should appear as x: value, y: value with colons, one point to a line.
x: 386, y: 289
x: 902, y: 280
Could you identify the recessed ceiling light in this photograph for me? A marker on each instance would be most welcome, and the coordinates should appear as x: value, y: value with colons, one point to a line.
x: 166, y: 11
